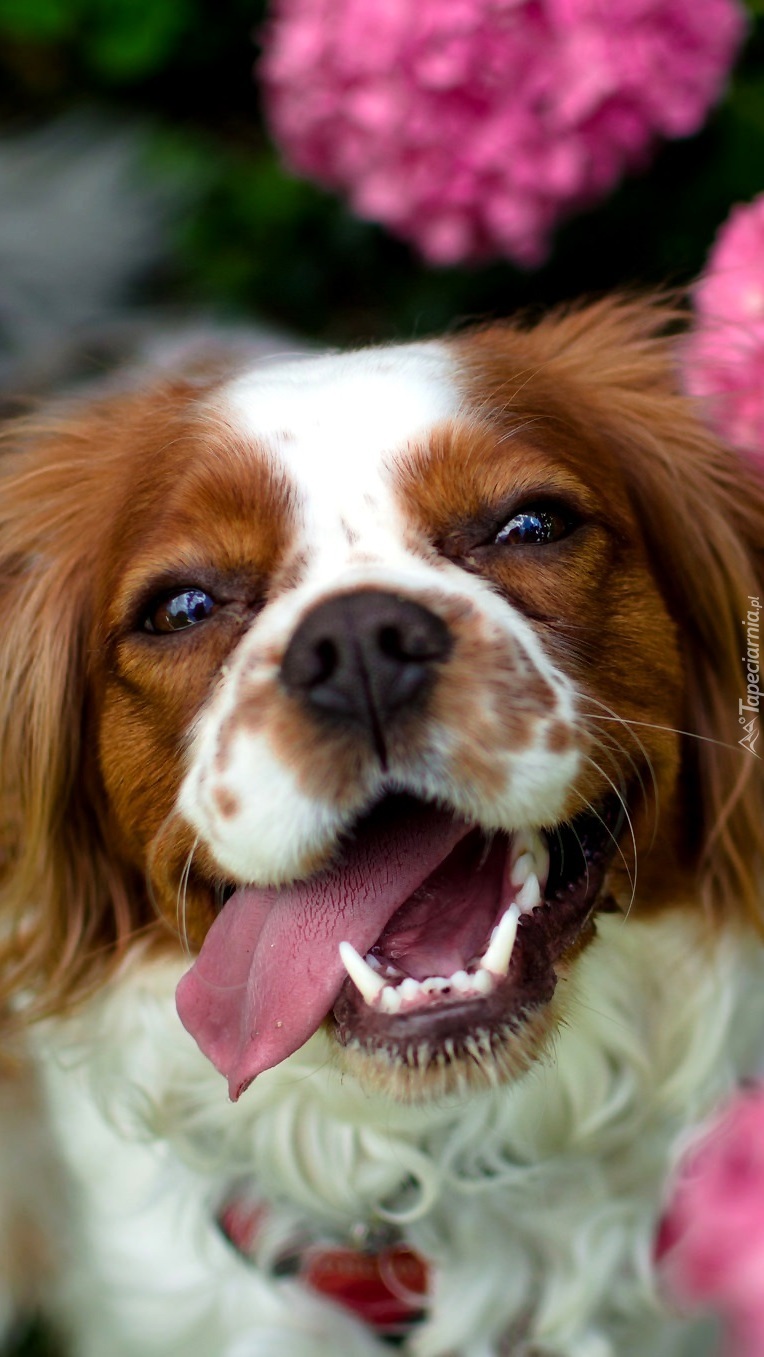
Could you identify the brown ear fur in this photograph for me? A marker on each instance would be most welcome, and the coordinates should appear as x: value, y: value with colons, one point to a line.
x: 67, y: 909
x: 701, y: 506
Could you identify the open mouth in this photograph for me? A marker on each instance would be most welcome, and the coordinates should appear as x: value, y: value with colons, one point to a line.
x: 427, y: 941
x: 472, y: 952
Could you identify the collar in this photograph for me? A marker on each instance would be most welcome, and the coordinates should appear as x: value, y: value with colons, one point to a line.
x: 386, y: 1287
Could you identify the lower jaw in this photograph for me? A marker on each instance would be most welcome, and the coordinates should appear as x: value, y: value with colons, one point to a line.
x: 480, y: 1044
x: 475, y: 1058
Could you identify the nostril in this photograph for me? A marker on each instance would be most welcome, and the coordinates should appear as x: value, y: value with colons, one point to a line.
x: 390, y: 642
x: 326, y: 661
x: 310, y: 662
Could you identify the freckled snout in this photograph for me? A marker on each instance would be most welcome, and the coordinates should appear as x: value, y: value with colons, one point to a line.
x: 362, y: 658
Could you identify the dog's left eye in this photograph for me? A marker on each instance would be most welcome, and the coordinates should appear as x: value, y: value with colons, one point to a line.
x: 532, y: 527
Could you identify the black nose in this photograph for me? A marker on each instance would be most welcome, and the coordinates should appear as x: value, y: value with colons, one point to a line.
x: 362, y: 657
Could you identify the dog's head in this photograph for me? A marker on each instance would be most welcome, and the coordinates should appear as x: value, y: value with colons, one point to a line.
x: 377, y: 676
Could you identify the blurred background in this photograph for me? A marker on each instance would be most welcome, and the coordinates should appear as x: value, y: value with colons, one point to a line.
x: 242, y: 235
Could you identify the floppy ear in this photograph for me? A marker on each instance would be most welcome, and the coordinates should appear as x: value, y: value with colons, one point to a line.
x: 65, y: 911
x: 701, y: 507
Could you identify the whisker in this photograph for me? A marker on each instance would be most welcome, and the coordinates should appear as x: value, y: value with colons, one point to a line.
x: 669, y: 730
x: 610, y: 751
x: 623, y: 721
x: 182, y: 898
x: 611, y: 835
x: 573, y: 829
x: 180, y: 911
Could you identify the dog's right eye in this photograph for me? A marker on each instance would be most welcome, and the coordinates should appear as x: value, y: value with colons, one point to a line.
x: 532, y: 527
x: 176, y: 612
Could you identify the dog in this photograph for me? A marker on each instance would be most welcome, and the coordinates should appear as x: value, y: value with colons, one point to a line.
x: 381, y: 884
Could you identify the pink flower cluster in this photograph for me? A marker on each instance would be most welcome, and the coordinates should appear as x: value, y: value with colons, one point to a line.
x: 471, y: 127
x: 724, y: 355
x: 711, y: 1246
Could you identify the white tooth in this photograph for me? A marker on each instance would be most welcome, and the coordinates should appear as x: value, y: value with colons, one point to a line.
x: 529, y: 853
x: 530, y: 895
x: 522, y: 868
x: 482, y: 980
x: 461, y: 981
x: 434, y: 984
x: 499, y: 952
x: 523, y: 841
x: 367, y: 981
x: 390, y: 999
x: 409, y: 988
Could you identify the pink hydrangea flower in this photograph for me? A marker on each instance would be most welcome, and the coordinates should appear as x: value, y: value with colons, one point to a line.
x: 711, y: 1246
x: 724, y: 355
x: 470, y: 127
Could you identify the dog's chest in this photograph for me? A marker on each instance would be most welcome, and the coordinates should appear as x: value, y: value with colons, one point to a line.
x: 446, y: 1221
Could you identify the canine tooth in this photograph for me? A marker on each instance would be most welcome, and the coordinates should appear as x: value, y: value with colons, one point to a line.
x: 390, y: 999
x: 499, y: 951
x: 530, y: 895
x: 364, y: 978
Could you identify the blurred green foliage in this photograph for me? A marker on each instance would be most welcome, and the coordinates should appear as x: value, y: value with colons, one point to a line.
x: 121, y: 43
x: 253, y: 240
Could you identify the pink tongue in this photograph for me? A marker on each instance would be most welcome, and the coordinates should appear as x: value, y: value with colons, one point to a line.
x: 269, y: 970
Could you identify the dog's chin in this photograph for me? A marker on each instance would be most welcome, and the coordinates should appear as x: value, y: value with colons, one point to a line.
x: 472, y: 961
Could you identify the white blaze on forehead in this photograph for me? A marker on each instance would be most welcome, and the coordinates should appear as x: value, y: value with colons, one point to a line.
x: 334, y: 422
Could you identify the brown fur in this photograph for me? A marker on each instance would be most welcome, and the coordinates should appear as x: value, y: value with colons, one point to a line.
x: 96, y: 500
x: 603, y: 381
x: 82, y: 489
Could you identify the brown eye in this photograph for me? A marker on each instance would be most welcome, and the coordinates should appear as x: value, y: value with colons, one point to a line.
x: 532, y: 527
x: 178, y: 611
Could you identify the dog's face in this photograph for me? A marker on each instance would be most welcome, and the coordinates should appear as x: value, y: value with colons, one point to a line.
x: 386, y: 686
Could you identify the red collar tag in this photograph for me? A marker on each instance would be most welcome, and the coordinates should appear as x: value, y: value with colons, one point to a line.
x: 386, y: 1290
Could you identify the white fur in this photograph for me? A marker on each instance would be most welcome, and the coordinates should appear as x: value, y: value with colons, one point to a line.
x: 331, y: 421
x: 337, y: 427
x: 545, y: 1193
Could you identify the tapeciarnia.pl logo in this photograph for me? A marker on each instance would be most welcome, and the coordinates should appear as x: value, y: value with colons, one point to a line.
x: 749, y: 708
